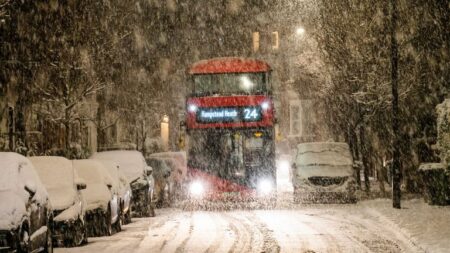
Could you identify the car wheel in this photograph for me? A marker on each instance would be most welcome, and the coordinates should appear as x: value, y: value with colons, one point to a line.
x: 49, y: 244
x: 85, y: 232
x: 78, y: 234
x: 23, y: 244
x: 127, y: 216
x: 151, y: 206
x: 107, y: 223
x: 151, y: 210
x: 118, y: 225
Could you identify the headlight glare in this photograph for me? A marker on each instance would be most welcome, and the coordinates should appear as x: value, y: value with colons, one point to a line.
x: 265, y: 105
x: 265, y: 187
x: 196, y: 189
x: 192, y: 108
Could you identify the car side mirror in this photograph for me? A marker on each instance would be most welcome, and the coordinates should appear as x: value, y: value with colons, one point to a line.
x: 31, y: 190
x: 81, y: 186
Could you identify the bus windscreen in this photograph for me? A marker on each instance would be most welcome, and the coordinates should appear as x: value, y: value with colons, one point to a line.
x: 238, y: 83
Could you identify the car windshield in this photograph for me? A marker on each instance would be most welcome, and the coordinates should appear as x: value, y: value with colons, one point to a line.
x: 238, y: 83
x: 89, y: 171
x: 54, y: 172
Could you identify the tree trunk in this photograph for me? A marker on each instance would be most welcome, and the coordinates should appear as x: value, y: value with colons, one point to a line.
x: 357, y: 158
x: 396, y: 193
x: 66, y: 131
x: 11, y: 128
x: 364, y: 157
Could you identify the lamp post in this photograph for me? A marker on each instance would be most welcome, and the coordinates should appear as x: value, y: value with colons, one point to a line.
x: 165, y: 132
x: 396, y: 164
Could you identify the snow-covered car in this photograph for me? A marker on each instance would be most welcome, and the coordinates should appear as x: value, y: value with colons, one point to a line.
x: 121, y: 187
x: 177, y: 161
x: 25, y: 210
x: 162, y: 170
x: 63, y: 187
x: 102, y: 205
x: 323, y: 172
x: 139, y: 174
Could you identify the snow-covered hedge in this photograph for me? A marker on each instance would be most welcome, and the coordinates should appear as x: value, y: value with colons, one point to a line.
x: 436, y: 178
x: 443, y: 127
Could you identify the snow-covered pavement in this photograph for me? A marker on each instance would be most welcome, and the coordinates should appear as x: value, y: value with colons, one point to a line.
x: 366, y: 227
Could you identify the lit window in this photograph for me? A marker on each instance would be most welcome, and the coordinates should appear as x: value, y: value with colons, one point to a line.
x: 255, y: 41
x: 275, y: 40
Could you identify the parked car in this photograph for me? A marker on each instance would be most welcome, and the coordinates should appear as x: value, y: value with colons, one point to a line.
x: 178, y: 163
x: 102, y: 209
x: 323, y: 172
x: 162, y: 170
x: 25, y: 210
x: 139, y: 174
x: 64, y: 190
x: 121, y: 187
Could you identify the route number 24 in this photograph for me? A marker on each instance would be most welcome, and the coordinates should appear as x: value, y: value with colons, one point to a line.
x: 250, y: 113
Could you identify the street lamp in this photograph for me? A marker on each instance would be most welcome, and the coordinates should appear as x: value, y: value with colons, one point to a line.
x: 300, y: 31
x: 165, y: 131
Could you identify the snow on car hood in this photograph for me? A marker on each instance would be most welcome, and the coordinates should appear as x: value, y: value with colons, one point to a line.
x: 61, y: 197
x: 324, y: 171
x: 131, y: 163
x: 326, y: 159
x: 12, y: 210
x: 70, y: 213
x: 96, y: 196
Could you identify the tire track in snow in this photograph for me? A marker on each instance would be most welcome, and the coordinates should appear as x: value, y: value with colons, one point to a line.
x: 257, y: 237
x: 292, y: 233
x: 244, y: 239
x: 336, y: 235
x: 367, y: 233
x: 225, y: 237
x: 270, y: 244
x: 176, y: 234
x: 159, y: 233
x: 237, y: 236
x: 180, y: 249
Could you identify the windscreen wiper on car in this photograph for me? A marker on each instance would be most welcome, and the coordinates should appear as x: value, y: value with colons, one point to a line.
x: 134, y: 181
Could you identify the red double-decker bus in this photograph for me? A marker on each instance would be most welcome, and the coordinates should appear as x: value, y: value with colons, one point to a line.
x: 230, y: 130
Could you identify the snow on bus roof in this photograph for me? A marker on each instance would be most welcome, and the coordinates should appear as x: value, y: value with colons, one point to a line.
x: 228, y: 65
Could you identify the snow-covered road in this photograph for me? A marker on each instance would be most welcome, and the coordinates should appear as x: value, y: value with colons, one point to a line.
x: 319, y: 228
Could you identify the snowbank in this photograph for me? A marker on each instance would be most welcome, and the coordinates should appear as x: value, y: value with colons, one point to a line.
x: 431, y: 166
x: 57, y: 175
x: 132, y: 163
x: 17, y: 172
x: 427, y: 226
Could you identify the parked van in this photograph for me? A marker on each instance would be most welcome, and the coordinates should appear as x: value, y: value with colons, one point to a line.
x: 323, y: 172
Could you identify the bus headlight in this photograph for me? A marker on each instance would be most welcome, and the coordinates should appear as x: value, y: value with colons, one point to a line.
x: 265, y: 105
x: 196, y: 189
x: 265, y: 187
x: 192, y: 108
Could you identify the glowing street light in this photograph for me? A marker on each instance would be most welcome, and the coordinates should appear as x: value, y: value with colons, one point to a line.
x: 300, y: 31
x: 165, y: 131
